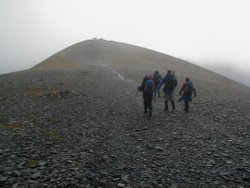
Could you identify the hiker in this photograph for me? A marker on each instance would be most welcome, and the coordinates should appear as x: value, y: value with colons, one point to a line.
x: 157, y: 80
x: 186, y: 91
x: 170, y: 83
x: 147, y: 87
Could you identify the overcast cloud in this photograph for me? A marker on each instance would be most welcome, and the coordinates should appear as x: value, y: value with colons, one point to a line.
x: 211, y: 33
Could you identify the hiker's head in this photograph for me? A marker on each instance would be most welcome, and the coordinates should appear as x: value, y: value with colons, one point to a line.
x: 150, y: 76
x: 169, y: 72
x: 187, y: 79
x: 156, y: 72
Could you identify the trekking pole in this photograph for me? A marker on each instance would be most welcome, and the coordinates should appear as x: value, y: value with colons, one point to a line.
x: 136, y: 93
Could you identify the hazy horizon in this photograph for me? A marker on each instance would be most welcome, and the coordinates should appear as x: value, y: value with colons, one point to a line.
x: 212, y: 34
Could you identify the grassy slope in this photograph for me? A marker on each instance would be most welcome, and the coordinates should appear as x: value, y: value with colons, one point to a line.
x: 133, y: 62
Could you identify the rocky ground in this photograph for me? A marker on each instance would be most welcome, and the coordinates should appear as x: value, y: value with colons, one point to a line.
x: 96, y: 135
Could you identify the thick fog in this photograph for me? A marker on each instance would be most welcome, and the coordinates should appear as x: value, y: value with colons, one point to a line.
x: 242, y: 76
x: 210, y: 33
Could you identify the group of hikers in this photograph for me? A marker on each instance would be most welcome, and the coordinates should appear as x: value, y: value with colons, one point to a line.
x: 151, y: 85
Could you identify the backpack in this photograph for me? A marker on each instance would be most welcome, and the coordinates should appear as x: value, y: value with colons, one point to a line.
x: 188, y: 90
x: 157, y: 79
x: 169, y: 83
x: 149, y: 87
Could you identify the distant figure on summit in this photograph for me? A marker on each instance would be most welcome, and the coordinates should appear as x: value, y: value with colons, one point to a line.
x: 170, y: 83
x: 186, y: 91
x: 147, y: 87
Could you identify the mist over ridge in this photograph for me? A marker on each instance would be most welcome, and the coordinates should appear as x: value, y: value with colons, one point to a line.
x: 231, y: 72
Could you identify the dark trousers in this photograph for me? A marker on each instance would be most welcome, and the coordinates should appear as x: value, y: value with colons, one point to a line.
x: 186, y: 106
x: 172, y: 103
x: 156, y: 91
x: 148, y: 103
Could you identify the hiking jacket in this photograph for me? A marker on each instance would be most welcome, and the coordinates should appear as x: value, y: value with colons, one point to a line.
x: 143, y: 86
x: 166, y: 90
x: 186, y: 91
x: 157, y: 79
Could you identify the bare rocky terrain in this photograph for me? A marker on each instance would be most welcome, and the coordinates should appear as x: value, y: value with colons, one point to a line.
x: 96, y: 135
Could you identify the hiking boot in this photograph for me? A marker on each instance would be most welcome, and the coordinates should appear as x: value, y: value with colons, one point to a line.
x: 173, y: 105
x: 150, y: 113
x: 166, y: 106
x: 145, y: 111
x: 186, y: 107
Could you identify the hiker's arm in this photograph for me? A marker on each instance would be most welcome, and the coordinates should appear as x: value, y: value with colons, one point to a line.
x: 182, y: 88
x: 159, y: 86
x: 143, y: 84
x: 175, y: 82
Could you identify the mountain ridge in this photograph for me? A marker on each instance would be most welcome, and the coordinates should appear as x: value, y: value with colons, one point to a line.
x: 123, y: 56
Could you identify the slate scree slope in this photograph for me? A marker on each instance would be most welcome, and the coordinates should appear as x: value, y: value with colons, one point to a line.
x: 75, y: 120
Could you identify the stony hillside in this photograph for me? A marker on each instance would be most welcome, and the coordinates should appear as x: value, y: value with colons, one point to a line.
x: 95, y: 133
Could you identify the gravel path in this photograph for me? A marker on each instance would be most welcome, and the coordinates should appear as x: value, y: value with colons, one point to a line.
x: 96, y: 134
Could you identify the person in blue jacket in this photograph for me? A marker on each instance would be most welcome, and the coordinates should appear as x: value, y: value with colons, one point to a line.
x: 170, y: 83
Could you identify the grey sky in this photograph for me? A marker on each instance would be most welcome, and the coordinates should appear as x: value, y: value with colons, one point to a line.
x: 206, y: 32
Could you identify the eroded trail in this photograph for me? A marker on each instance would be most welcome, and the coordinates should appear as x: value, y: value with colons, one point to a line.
x: 96, y: 135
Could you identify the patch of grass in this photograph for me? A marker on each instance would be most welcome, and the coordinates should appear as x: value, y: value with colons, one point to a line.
x: 14, y: 125
x: 54, y: 136
x: 36, y: 92
x: 32, y: 163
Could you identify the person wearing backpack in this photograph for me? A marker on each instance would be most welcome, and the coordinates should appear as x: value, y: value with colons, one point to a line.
x: 186, y: 92
x: 147, y: 87
x: 157, y: 80
x: 170, y: 83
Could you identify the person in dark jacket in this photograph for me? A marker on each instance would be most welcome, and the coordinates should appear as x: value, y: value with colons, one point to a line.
x: 147, y: 87
x: 186, y: 92
x: 170, y: 83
